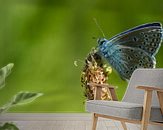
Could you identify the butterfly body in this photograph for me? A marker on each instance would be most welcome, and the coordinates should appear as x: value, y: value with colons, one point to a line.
x: 132, y: 49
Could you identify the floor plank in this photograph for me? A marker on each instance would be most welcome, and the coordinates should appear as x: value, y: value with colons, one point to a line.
x: 61, y: 121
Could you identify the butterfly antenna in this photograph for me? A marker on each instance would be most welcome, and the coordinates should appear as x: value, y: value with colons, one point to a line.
x: 99, y: 27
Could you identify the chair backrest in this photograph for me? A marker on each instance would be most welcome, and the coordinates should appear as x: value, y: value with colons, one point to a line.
x: 146, y: 77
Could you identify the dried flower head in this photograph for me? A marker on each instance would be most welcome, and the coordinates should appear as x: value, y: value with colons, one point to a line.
x: 97, y: 72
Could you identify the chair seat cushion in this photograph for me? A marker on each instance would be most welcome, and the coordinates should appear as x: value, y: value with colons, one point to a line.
x: 131, y: 111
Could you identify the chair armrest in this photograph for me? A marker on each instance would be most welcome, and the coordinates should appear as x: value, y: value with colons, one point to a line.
x: 101, y: 85
x: 147, y: 88
x: 98, y: 89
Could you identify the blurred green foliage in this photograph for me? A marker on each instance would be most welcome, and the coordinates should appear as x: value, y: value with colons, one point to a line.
x: 44, y: 37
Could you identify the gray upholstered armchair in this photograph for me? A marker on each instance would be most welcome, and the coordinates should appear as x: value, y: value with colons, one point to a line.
x: 141, y: 104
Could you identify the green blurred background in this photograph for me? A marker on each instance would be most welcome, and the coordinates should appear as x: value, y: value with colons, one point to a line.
x: 43, y: 38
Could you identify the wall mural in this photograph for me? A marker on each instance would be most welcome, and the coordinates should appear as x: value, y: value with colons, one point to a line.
x: 43, y: 38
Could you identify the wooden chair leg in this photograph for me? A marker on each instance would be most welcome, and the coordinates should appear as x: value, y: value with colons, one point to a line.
x: 124, y: 125
x: 146, y: 110
x: 160, y: 98
x: 94, y: 123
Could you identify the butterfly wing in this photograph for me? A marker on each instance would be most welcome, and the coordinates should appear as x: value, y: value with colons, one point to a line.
x: 126, y: 59
x: 147, y: 37
x: 132, y: 49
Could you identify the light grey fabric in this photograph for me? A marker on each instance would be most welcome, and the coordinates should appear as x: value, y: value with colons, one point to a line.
x: 146, y: 77
x: 125, y: 110
x: 115, y: 108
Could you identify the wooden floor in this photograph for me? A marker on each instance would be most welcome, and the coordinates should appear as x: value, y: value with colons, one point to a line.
x: 60, y: 122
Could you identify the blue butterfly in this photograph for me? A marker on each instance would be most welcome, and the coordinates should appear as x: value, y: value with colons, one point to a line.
x: 132, y: 49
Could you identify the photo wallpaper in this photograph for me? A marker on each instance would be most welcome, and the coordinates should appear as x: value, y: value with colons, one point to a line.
x: 53, y: 43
